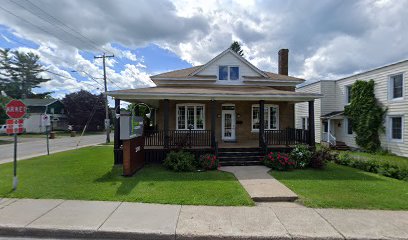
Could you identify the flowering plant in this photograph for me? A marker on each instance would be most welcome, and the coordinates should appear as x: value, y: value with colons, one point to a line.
x: 301, y: 155
x: 208, y: 161
x: 278, y: 161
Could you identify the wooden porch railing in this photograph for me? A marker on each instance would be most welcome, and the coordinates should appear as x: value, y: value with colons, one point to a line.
x: 179, y: 138
x: 289, y: 136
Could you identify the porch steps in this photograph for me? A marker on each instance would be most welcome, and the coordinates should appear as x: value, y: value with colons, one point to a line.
x: 239, y: 156
x: 341, y: 146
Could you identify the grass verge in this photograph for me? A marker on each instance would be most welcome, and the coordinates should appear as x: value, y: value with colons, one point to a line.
x: 88, y: 174
x: 344, y: 187
x: 389, y: 158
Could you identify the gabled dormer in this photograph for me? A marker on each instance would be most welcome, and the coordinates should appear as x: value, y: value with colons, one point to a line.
x: 228, y: 68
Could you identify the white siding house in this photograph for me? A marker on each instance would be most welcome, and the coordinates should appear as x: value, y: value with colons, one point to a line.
x: 390, y: 90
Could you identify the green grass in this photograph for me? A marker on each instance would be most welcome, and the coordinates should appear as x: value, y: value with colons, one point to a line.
x: 344, y: 187
x: 392, y: 159
x: 58, y: 134
x: 2, y: 142
x: 88, y: 174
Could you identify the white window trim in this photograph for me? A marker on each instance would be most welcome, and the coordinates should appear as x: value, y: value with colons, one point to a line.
x: 229, y: 80
x: 346, y: 94
x: 195, y: 115
x: 269, y: 112
x: 389, y: 128
x: 346, y: 125
x: 390, y: 86
x: 306, y: 122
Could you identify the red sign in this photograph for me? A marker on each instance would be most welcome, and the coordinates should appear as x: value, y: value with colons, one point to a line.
x: 15, y: 126
x: 16, y: 109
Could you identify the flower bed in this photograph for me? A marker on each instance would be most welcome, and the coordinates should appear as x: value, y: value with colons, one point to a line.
x: 278, y: 161
x: 208, y: 162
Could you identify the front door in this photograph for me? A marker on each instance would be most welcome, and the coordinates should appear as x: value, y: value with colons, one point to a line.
x: 228, y: 125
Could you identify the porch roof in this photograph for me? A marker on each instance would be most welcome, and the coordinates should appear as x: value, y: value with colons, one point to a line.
x: 215, y: 93
x: 333, y: 115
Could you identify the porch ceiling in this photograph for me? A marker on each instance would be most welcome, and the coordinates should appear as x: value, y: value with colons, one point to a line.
x: 212, y: 93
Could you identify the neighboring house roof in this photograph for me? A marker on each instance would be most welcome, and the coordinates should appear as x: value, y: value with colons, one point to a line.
x: 33, y: 102
x: 205, y: 93
x: 354, y: 75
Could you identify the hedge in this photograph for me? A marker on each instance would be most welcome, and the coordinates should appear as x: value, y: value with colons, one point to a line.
x: 372, y: 165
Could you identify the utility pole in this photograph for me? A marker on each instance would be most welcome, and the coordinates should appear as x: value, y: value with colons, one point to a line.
x: 107, y: 120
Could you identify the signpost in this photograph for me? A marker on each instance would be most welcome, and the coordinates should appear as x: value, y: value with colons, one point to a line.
x: 46, y: 121
x: 15, y: 109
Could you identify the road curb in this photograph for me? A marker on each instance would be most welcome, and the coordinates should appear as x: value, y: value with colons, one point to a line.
x: 83, y: 234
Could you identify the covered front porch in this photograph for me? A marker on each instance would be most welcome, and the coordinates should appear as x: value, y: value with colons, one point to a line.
x: 221, y: 119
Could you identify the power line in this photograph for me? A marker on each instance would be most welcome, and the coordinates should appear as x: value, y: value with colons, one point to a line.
x: 50, y: 22
x: 42, y: 29
x: 57, y: 23
x: 60, y: 75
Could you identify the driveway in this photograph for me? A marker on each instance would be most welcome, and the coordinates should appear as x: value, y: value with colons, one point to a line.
x: 37, y: 146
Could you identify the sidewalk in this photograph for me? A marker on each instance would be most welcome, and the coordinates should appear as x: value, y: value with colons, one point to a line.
x: 123, y: 220
x: 260, y: 185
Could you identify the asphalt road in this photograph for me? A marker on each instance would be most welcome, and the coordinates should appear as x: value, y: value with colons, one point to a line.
x: 38, y: 147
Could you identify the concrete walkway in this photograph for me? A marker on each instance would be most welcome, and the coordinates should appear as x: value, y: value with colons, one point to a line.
x: 260, y: 185
x: 123, y: 220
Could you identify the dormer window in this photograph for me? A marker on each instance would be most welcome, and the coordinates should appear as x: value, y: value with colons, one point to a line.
x: 228, y: 73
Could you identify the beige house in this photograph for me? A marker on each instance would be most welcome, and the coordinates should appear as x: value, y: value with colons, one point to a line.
x: 332, y: 126
x: 219, y: 105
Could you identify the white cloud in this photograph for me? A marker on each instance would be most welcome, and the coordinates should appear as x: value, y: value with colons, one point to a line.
x: 326, y: 39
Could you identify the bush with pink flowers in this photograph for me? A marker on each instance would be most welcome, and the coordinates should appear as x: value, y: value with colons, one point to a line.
x: 208, y: 162
x: 278, y: 161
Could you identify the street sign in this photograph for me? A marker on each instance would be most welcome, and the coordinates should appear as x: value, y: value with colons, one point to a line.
x: 15, y: 109
x: 15, y: 126
x: 45, y: 120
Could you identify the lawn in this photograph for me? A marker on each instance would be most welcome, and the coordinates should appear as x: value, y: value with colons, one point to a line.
x: 392, y: 159
x: 344, y: 187
x: 2, y: 142
x: 88, y: 174
x: 58, y: 134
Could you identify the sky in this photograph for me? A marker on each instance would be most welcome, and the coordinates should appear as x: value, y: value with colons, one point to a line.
x: 327, y: 39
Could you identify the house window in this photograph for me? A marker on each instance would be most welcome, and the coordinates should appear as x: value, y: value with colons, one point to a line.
x: 349, y: 126
x: 190, y: 115
x: 396, y: 87
x: 271, y: 117
x: 395, y: 127
x: 348, y: 94
x: 305, y: 123
x: 228, y: 73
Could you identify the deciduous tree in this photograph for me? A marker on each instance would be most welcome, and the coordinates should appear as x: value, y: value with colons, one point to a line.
x: 84, y: 106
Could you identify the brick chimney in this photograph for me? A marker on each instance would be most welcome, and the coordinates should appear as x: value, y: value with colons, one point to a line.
x: 283, y: 61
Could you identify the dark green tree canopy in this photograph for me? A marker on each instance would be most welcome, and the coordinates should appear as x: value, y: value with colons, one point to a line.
x: 20, y: 73
x: 367, y: 116
x: 236, y: 47
x: 83, y: 104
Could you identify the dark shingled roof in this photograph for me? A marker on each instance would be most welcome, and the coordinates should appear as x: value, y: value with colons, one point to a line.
x: 186, y: 73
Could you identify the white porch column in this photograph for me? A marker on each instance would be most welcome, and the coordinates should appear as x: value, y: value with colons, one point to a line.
x: 328, y: 130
